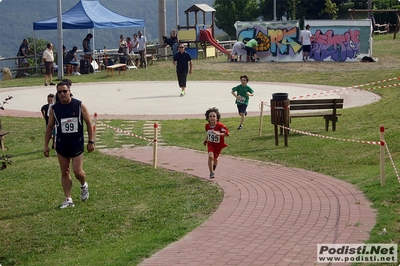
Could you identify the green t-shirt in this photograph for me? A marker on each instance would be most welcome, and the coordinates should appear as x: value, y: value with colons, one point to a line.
x: 242, y: 92
x: 252, y: 43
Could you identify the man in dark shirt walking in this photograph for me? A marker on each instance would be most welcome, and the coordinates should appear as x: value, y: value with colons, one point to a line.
x: 69, y: 115
x: 181, y: 61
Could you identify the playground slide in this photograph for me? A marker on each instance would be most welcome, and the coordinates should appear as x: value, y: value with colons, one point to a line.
x: 205, y: 35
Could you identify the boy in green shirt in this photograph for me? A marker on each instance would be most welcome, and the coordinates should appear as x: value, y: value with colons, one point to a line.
x: 242, y: 93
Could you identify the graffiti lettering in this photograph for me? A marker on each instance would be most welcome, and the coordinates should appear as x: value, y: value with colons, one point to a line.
x: 283, y: 39
x: 336, y: 47
x: 280, y: 41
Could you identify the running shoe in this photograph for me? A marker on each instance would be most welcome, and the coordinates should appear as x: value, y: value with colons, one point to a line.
x: 212, y: 175
x: 67, y: 204
x: 84, y: 192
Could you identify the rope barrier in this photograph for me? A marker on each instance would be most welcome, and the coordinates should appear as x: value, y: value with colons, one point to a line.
x: 328, y: 137
x: 381, y: 143
x: 376, y: 82
x: 126, y: 132
x: 154, y: 140
x: 356, y: 88
x: 385, y: 86
x: 346, y: 88
x: 392, y: 162
x: 324, y: 93
x: 334, y: 91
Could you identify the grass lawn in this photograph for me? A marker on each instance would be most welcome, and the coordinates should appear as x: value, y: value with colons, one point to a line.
x: 135, y: 210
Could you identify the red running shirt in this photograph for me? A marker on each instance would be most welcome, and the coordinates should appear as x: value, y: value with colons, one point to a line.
x: 214, y: 140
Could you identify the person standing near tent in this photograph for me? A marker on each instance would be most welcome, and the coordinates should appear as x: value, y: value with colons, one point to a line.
x: 86, y: 43
x: 135, y: 43
x: 129, y: 44
x: 48, y: 59
x: 142, y: 44
x: 121, y: 44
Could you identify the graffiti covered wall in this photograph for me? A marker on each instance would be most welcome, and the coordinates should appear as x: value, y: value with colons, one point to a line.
x: 333, y: 40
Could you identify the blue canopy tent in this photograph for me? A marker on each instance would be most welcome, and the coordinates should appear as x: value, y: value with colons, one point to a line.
x: 89, y: 15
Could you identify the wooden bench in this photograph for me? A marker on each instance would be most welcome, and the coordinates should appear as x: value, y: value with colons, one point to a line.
x: 119, y: 66
x: 69, y: 68
x: 318, y: 104
x: 2, y: 135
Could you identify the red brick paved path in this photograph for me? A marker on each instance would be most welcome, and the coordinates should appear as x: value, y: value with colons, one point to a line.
x: 270, y: 214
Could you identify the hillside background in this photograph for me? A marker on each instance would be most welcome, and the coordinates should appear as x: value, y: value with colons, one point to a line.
x: 17, y: 17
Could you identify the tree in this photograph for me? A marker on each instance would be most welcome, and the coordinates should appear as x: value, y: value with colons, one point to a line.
x: 360, y: 4
x: 386, y: 4
x: 331, y: 8
x: 299, y: 9
x: 292, y: 9
x: 228, y: 12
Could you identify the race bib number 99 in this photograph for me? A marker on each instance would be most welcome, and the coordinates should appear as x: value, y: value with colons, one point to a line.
x: 212, y: 137
x: 69, y: 125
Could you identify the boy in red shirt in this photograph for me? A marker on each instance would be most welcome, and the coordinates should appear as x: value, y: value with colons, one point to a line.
x: 215, y: 141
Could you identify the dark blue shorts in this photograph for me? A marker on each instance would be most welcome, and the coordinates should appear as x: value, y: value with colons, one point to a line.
x: 70, y: 149
x: 242, y: 108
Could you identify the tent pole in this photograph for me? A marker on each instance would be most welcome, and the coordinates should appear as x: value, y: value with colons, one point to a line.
x: 93, y: 47
x: 177, y: 14
x: 162, y: 27
x: 60, y: 54
x: 34, y: 50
